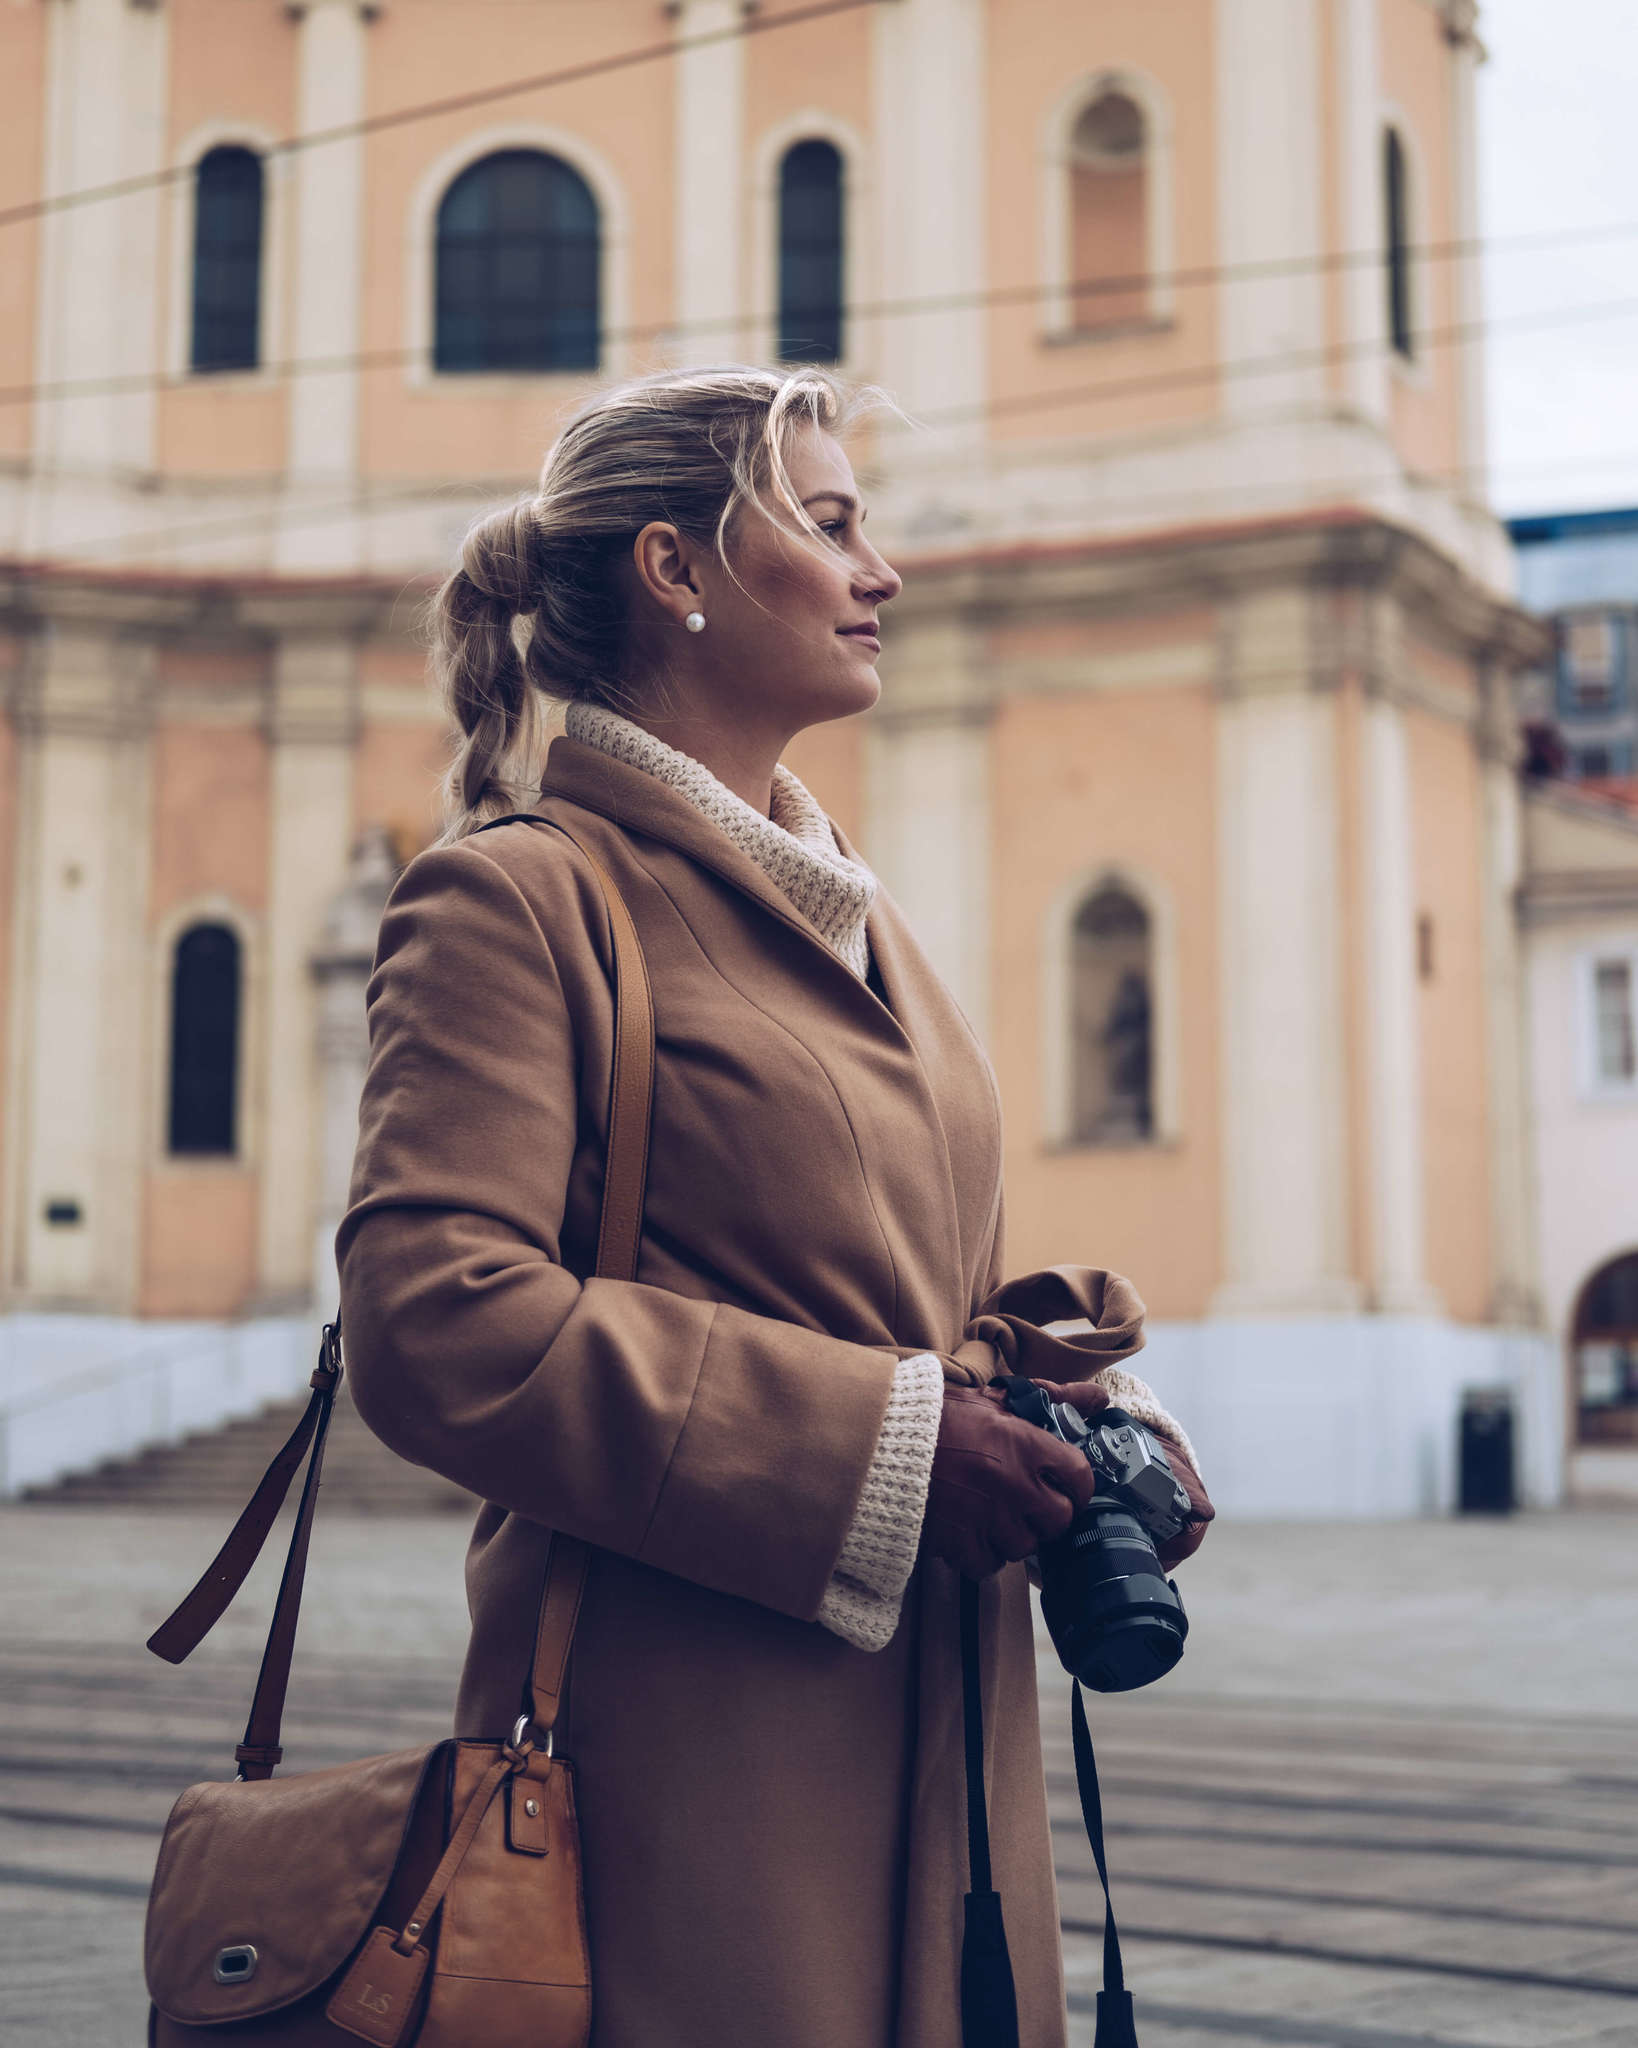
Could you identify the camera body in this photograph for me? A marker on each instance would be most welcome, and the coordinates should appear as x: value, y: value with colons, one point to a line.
x: 1116, y: 1620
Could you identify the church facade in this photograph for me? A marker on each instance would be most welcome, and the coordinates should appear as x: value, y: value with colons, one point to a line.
x: 1195, y: 764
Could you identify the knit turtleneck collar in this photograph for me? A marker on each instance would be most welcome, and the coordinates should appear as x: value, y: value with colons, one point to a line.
x: 794, y: 847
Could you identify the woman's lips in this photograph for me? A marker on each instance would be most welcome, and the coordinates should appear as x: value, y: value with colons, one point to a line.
x: 869, y: 635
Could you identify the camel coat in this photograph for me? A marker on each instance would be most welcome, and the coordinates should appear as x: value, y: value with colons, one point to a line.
x: 773, y: 1821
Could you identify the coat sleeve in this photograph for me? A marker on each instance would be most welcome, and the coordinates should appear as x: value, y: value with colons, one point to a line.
x: 726, y: 1447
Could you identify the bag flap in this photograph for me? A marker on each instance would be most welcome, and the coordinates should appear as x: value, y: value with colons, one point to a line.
x: 292, y: 1868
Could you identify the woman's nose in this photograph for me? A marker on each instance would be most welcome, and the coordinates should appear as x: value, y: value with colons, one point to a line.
x: 879, y: 579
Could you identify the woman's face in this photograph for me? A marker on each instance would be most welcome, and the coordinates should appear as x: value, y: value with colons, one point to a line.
x: 793, y: 628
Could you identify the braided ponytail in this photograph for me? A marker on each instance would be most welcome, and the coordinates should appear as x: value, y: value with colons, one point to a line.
x: 535, y: 609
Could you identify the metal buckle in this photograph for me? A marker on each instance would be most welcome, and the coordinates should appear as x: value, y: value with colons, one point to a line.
x: 235, y: 1964
x: 521, y: 1727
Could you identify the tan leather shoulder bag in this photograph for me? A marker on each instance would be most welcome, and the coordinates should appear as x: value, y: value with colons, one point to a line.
x: 430, y: 1897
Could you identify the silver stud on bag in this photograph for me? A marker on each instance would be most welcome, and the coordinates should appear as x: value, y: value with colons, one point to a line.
x: 235, y: 1964
x: 695, y: 622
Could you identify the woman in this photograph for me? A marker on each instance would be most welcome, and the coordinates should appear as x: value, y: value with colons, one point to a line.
x: 780, y: 1436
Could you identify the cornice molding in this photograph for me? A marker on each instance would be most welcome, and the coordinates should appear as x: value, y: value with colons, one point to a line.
x: 1345, y: 549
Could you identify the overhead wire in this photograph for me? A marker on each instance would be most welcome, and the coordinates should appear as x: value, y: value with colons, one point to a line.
x: 450, y: 103
x: 997, y: 297
x: 1187, y: 376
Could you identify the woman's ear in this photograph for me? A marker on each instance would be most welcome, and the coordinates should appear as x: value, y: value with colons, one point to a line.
x: 665, y: 561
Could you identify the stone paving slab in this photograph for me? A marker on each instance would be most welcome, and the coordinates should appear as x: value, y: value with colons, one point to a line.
x: 1387, y: 1800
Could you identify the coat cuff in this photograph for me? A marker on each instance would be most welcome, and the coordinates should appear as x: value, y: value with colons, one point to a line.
x: 862, y: 1600
x: 1137, y: 1397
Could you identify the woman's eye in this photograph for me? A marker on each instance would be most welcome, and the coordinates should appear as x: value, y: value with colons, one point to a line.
x: 834, y: 527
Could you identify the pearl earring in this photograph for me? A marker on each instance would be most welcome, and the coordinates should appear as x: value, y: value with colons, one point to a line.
x: 695, y: 622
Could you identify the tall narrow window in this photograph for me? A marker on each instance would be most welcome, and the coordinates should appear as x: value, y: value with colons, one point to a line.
x: 204, y: 1040
x: 1113, y: 1019
x: 1589, y: 662
x: 1396, y: 210
x: 1615, y: 1050
x: 519, y: 262
x: 1109, y: 213
x: 227, y: 260
x: 810, y: 254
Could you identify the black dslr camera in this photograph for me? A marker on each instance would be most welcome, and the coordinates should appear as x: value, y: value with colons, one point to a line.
x: 1116, y: 1620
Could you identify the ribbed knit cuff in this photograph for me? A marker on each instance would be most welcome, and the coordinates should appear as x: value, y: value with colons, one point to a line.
x: 1137, y: 1397
x: 861, y: 1603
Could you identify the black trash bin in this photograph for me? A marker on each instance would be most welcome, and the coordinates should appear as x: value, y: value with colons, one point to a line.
x: 1485, y: 1481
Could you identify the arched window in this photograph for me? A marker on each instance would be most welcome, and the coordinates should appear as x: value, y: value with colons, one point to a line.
x: 519, y: 258
x: 227, y: 260
x: 204, y: 1040
x: 810, y: 254
x: 1606, y: 1355
x: 1112, y: 1033
x: 1109, y: 200
x: 1396, y: 223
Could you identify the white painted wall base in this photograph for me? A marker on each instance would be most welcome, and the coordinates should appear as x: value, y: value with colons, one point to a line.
x: 1351, y: 1416
x: 77, y: 1390
x: 1604, y: 1475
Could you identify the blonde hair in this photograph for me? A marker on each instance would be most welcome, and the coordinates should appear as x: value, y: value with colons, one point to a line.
x: 535, y: 608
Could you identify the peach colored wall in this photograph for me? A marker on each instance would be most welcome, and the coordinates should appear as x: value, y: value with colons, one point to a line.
x: 1079, y: 780
x: 396, y: 771
x: 198, y: 1241
x: 1031, y: 63
x: 1335, y: 282
x: 210, y: 816
x: 419, y: 49
x: 22, y: 66
x: 211, y: 827
x: 830, y: 760
x: 1447, y: 826
x: 1416, y: 80
x: 223, y: 425
x: 815, y: 64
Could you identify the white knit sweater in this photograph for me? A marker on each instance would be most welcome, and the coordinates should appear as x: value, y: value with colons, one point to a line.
x: 796, y: 848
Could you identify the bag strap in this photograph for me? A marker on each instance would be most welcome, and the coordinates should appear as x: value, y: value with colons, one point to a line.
x: 989, y: 2001
x: 618, y: 1241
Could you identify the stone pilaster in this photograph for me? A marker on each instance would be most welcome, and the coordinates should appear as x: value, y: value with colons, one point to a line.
x: 710, y: 181
x: 78, y: 1060
x: 312, y: 724
x: 97, y: 307
x: 1356, y: 85
x: 931, y: 148
x: 1284, y: 1080
x: 927, y: 800
x: 327, y: 189
x: 1269, y: 200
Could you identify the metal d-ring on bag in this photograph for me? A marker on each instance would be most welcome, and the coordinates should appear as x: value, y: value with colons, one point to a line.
x: 361, y: 1901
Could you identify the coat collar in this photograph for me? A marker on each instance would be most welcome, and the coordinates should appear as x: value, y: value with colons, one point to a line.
x: 639, y: 802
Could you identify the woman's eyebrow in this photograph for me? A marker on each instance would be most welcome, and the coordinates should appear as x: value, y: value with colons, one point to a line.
x: 847, y: 503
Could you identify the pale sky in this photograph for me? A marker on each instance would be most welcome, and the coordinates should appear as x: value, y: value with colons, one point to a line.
x: 1558, y: 143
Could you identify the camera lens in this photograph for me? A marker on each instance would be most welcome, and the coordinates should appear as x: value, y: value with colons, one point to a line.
x: 1116, y: 1621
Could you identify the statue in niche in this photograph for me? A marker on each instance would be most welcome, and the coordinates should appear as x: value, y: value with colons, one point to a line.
x: 1128, y: 1115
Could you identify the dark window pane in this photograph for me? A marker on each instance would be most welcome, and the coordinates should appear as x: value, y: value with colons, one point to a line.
x: 810, y: 254
x: 1397, y: 208
x: 519, y: 265
x: 227, y: 260
x: 204, y: 1039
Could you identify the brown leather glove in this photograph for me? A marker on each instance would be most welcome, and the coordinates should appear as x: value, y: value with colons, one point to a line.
x: 1000, y: 1487
x: 1091, y: 1400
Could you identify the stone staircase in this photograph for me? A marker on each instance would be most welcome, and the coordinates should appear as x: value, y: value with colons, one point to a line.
x: 220, y: 1468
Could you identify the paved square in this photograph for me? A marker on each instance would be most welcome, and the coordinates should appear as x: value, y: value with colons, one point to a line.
x: 1389, y: 1798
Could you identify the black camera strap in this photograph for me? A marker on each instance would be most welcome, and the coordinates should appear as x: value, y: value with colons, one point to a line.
x: 989, y: 2004
x: 1117, y: 2027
